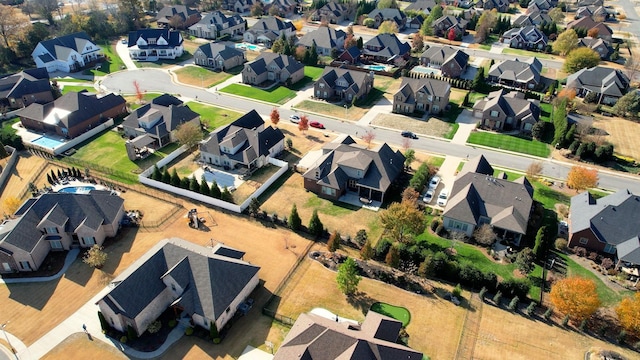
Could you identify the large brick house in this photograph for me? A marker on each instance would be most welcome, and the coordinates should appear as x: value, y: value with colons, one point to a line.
x: 452, y: 62
x: 336, y: 83
x: 177, y: 17
x: 278, y: 68
x: 26, y: 87
x: 504, y: 111
x: 422, y: 95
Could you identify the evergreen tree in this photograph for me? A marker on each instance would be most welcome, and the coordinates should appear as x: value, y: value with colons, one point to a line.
x: 294, y: 219
x: 175, y: 179
x: 313, y: 55
x: 479, y: 82
x: 215, y: 190
x: 213, y: 330
x: 156, y: 174
x: 184, y: 183
x: 226, y: 195
x: 166, y: 176
x: 538, y: 248
x: 360, y: 42
x: 204, y: 187
x: 315, y: 225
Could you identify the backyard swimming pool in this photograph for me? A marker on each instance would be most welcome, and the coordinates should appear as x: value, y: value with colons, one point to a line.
x: 426, y: 70
x: 47, y: 142
x: 77, y: 189
x: 376, y: 67
x: 248, y: 46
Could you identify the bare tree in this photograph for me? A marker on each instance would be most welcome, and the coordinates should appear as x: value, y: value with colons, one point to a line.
x: 406, y: 144
x: 189, y: 134
x: 484, y: 235
x: 11, y: 20
x: 631, y: 67
x: 368, y: 138
x: 534, y: 170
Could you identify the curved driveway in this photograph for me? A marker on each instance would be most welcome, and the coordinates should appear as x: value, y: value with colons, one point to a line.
x: 156, y: 80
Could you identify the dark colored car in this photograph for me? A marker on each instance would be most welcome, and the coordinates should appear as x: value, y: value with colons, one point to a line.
x: 409, y: 134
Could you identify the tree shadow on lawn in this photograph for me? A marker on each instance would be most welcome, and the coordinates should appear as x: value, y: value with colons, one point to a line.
x: 361, y: 301
x: 117, y: 246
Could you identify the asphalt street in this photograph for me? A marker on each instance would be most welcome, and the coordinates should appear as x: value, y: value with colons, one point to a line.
x: 155, y: 80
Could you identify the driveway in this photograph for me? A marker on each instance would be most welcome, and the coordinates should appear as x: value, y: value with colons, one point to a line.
x: 123, y: 52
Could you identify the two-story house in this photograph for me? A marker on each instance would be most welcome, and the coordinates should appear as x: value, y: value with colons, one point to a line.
x: 595, y: 12
x: 541, y: 5
x: 332, y: 12
x: 607, y: 83
x: 57, y: 222
x: 602, y: 47
x: 284, y: 8
x: 177, y: 17
x: 66, y: 53
x: 533, y: 18
x: 587, y: 25
x: 26, y: 87
x: 219, y: 56
x: 386, y: 48
x: 452, y: 62
x: 388, y: 14
x: 155, y: 44
x: 516, y: 73
x: 216, y: 24
x: 272, y: 67
x: 325, y: 39
x: 268, y: 29
x: 528, y: 37
x: 343, y: 84
x: 421, y: 96
x: 500, y: 5
x: 443, y: 26
x: 502, y: 111
x: 245, y: 143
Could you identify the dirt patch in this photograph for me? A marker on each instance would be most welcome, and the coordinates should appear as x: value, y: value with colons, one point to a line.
x: 431, y: 127
x: 622, y: 133
x: 78, y: 346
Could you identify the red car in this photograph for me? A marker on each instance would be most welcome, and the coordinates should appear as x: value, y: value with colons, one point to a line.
x: 316, y: 125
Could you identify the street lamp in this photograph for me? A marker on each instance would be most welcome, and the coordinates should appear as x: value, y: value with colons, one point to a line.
x: 8, y: 342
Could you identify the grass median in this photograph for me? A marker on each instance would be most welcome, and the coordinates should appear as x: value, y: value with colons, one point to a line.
x: 276, y: 95
x: 510, y: 143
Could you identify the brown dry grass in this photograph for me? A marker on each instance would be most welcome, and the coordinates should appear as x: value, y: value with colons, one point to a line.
x: 432, y: 126
x: 78, y: 346
x: 26, y: 170
x: 435, y: 323
x: 504, y: 335
x: 623, y: 134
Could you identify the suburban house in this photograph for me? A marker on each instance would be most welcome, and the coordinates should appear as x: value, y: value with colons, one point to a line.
x: 416, y: 22
x: 443, y: 26
x: 348, y: 168
x: 423, y: 95
x: 504, y: 111
x: 602, y: 47
x: 528, y: 37
x: 350, y: 55
x: 388, y: 14
x: 283, y: 8
x: 154, y: 124
x: 541, y: 5
x: 500, y: 5
x: 268, y: 29
x: 594, y: 12
x: 533, y: 18
x: 452, y: 62
x: 245, y: 143
x: 241, y: 6
x: 325, y: 39
x: 207, y: 286
x: 26, y: 87
x: 332, y: 12
x: 73, y: 113
x: 587, y: 24
x: 478, y: 198
x: 386, y: 48
x: 272, y: 67
x: 422, y: 5
x: 216, y: 24
x: 218, y: 56
x: 343, y: 84
x: 607, y: 225
x: 609, y: 84
x: 316, y: 337
x: 66, y: 53
x: 581, y: 3
x: 57, y: 222
x: 154, y: 44
x: 177, y: 17
x: 516, y: 73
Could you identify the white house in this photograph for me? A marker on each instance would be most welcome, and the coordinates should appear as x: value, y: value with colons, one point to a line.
x: 155, y: 44
x: 66, y: 53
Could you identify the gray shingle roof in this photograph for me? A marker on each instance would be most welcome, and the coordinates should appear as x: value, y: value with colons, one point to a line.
x: 271, y: 23
x: 210, y: 282
x: 512, y: 104
x: 323, y: 37
x: 601, y: 80
x: 265, y: 59
x: 389, y: 45
x: 172, y: 113
x: 519, y: 70
x: 166, y: 13
x: 225, y: 50
x: 421, y: 5
x: 59, y: 47
x: 411, y: 86
x: 29, y: 81
x: 219, y: 20
x: 444, y: 54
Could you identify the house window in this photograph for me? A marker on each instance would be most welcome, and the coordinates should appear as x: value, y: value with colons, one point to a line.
x: 328, y: 191
x: 228, y: 309
x: 584, y: 241
x: 25, y: 265
x: 56, y: 244
x: 173, y: 287
x: 321, y: 85
x: 493, y: 113
x: 89, y: 240
x: 610, y: 249
x: 152, y: 41
x: 51, y: 230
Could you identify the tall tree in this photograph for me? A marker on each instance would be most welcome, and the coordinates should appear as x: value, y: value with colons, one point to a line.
x: 409, y: 156
x: 402, y: 221
x: 333, y: 243
x: 525, y: 261
x: 451, y: 35
x: 484, y: 235
x: 581, y: 178
x: 629, y: 314
x: 418, y: 42
x: 581, y: 58
x: 315, y: 225
x: 386, y: 4
x: 303, y: 125
x: 576, y: 297
x: 628, y: 105
x: 566, y: 41
x: 12, y: 21
x: 393, y: 257
x: 95, y: 256
x: 189, y: 134
x: 388, y: 27
x: 294, y: 219
x: 348, y: 278
x: 538, y: 247
x: 275, y: 116
x: 556, y: 15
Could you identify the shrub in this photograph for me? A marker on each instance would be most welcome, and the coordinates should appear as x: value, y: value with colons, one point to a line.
x: 561, y: 244
x: 382, y: 248
x: 434, y: 224
x: 547, y: 314
x: 457, y: 291
x: 440, y: 230
x: 621, y: 337
x: 497, y: 297
x: 216, y: 340
x: 606, y: 263
x: 580, y: 251
x: 513, y: 304
x: 172, y: 323
x: 361, y: 237
x: 565, y: 320
x: 188, y: 331
x: 583, y: 325
x: 131, y: 333
x: 482, y: 292
x: 515, y: 287
x: 154, y: 327
x: 123, y: 339
x: 531, y: 309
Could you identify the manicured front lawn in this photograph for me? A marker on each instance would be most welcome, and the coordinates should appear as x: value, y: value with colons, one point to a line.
x: 510, y: 143
x: 111, y: 64
x: 68, y: 88
x: 199, y: 76
x: 548, y: 197
x: 213, y: 116
x: 397, y: 312
x: 452, y: 132
x: 277, y: 95
x: 539, y: 55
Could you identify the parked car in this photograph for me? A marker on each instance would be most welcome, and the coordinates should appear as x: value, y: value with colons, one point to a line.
x: 294, y: 119
x: 443, y: 197
x: 435, y: 181
x: 409, y: 134
x: 428, y: 196
x: 316, y: 125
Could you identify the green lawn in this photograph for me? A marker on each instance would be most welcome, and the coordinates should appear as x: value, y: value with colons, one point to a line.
x: 111, y: 64
x: 109, y: 142
x: 276, y: 95
x: 313, y: 72
x: 548, y: 197
x: 436, y: 161
x: 68, y: 88
x: 539, y: 55
x: 545, y: 112
x: 510, y: 143
x: 452, y: 132
x: 328, y: 207
x: 475, y: 96
x: 213, y: 116
x: 199, y: 76
x: 397, y: 312
x: 164, y: 63
x: 452, y: 114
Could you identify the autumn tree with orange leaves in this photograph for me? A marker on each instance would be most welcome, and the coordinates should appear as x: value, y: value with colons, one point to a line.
x: 303, y: 125
x: 629, y: 314
x: 576, y: 297
x: 581, y: 178
x: 275, y: 116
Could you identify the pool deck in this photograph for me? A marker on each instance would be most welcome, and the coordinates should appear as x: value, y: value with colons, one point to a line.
x: 79, y: 184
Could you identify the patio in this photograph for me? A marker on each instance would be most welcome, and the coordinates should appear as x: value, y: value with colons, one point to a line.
x: 355, y: 200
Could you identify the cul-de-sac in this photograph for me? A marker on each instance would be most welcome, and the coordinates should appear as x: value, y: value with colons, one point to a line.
x: 319, y: 179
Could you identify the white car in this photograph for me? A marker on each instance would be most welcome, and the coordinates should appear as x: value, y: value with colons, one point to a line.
x: 442, y: 198
x: 428, y: 196
x: 294, y: 119
x: 435, y: 181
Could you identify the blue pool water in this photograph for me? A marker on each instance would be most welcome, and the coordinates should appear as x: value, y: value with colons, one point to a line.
x: 426, y: 70
x: 46, y: 142
x: 247, y: 46
x: 376, y: 67
x: 77, y: 189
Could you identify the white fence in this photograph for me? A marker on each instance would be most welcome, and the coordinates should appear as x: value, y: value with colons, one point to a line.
x: 144, y: 179
x: 8, y: 169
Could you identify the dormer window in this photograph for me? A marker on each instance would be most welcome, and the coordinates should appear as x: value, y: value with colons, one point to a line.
x: 151, y: 41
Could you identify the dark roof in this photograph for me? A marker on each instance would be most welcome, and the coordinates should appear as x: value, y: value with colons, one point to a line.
x: 410, y: 86
x: 444, y: 54
x: 164, y: 114
x: 260, y: 64
x: 59, y: 47
x: 75, y: 108
x: 388, y: 14
x: 513, y: 104
x: 355, y: 79
x: 317, y: 338
x: 65, y: 209
x: 172, y: 37
x: 389, y: 45
x: 517, y: 70
x: 323, y: 37
x: 271, y: 23
x: 527, y: 33
x: 167, y: 12
x: 219, y: 20
x: 29, y: 81
x: 601, y: 80
x: 225, y: 50
x: 353, y: 52
x: 211, y: 282
x: 422, y: 5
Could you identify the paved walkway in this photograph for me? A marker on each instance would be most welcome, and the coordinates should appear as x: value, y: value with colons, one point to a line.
x: 466, y: 123
x: 123, y: 52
